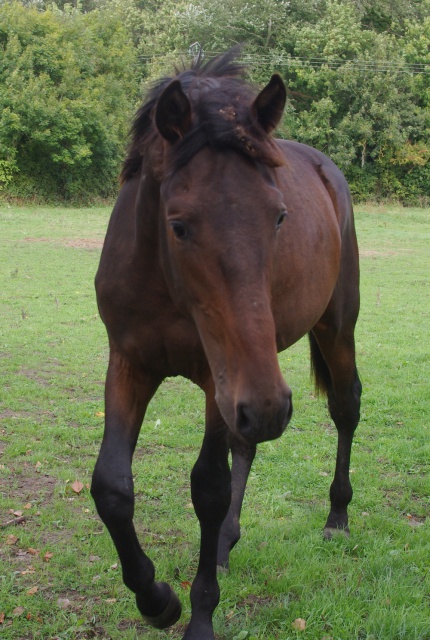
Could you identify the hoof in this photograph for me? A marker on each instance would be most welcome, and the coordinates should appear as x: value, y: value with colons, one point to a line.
x: 169, y: 616
x: 330, y: 532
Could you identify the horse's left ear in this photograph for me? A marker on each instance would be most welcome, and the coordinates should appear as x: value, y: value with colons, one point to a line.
x: 173, y: 112
x: 269, y: 105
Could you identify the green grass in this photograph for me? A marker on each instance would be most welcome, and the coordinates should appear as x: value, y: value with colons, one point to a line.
x: 53, y: 354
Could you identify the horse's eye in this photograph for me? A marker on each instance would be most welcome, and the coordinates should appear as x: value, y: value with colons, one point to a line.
x: 280, y: 219
x: 179, y: 229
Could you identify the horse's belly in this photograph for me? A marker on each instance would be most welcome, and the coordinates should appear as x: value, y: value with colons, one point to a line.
x: 303, y: 288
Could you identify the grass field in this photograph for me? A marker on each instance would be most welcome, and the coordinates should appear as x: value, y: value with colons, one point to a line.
x: 59, y: 577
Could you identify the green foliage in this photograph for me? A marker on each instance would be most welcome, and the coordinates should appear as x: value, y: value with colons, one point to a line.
x: 351, y: 91
x: 357, y: 72
x: 69, y: 83
x: 359, y: 103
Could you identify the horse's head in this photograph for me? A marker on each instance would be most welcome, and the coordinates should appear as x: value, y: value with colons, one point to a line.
x: 221, y: 214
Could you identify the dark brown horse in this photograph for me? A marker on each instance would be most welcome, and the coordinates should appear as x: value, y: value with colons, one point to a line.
x: 225, y: 246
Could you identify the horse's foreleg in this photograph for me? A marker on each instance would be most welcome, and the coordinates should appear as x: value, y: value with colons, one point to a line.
x: 242, y: 457
x: 211, y: 492
x: 127, y: 396
x: 343, y: 391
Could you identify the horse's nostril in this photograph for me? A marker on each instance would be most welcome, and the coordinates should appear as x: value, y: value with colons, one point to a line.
x: 246, y: 421
x: 269, y: 423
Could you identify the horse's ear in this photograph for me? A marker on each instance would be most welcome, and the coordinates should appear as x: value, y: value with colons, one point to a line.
x: 269, y: 105
x: 173, y: 112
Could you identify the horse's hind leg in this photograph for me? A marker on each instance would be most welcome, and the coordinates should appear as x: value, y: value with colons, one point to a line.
x: 333, y: 360
x: 127, y: 396
x: 243, y: 455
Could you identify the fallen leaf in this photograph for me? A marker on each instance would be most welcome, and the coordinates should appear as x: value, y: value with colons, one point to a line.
x: 28, y: 571
x: 38, y: 465
x: 299, y: 624
x: 186, y: 585
x: 110, y: 600
x: 11, y: 539
x: 414, y: 521
x: 28, y: 505
x: 99, y: 414
x: 48, y: 555
x: 114, y: 566
x: 18, y: 611
x: 33, y: 552
x: 29, y: 616
x: 1, y: 617
x: 18, y: 514
x: 94, y: 558
x: 32, y: 591
x: 77, y: 486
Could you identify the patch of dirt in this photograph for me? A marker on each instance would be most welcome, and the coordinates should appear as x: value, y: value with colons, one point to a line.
x: 44, y: 375
x: 255, y: 601
x: 82, y: 243
x: 127, y: 624
x: 34, y: 376
x: 388, y: 253
x: 74, y: 243
x: 8, y: 414
x: 30, y: 488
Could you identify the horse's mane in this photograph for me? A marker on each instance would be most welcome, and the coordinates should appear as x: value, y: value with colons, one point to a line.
x: 220, y: 100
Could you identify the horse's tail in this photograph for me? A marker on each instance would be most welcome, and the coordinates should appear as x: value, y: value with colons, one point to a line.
x: 319, y: 368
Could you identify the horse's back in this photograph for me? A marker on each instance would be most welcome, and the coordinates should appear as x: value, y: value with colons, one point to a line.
x: 309, y: 165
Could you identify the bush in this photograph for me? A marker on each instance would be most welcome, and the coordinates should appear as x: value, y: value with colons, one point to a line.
x: 69, y: 88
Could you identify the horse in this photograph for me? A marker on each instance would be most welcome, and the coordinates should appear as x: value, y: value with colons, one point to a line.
x: 225, y: 247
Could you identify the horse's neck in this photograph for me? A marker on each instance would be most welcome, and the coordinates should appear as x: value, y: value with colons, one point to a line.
x: 147, y: 207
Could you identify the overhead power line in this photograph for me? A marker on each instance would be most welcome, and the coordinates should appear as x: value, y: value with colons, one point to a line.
x: 374, y: 66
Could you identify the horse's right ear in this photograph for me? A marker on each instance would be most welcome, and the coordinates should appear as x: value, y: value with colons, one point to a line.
x: 173, y: 113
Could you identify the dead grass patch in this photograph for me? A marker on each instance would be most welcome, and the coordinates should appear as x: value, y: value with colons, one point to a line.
x: 73, y: 243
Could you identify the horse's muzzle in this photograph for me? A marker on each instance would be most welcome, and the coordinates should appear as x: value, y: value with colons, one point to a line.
x: 256, y: 424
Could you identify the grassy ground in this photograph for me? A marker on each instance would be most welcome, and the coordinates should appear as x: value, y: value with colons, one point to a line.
x: 59, y: 577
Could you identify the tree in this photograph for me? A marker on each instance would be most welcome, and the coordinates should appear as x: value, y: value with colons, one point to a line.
x: 357, y: 75
x: 69, y: 84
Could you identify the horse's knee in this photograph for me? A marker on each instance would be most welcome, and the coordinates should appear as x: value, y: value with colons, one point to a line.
x: 211, y: 493
x: 113, y: 495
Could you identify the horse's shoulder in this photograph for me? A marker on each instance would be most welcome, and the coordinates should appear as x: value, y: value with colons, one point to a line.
x: 328, y: 172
